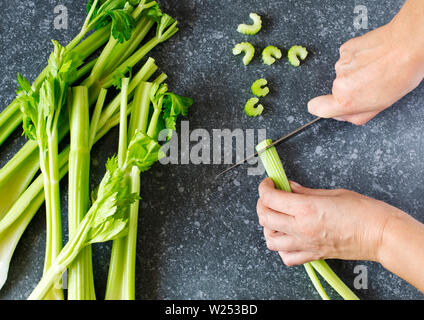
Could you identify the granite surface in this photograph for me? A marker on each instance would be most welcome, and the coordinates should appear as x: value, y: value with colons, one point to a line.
x: 199, y: 237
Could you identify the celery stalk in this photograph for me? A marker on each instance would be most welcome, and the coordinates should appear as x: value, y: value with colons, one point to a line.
x: 275, y: 171
x: 13, y: 225
x: 143, y: 75
x: 16, y: 175
x: 166, y: 29
x: 315, y: 281
x: 121, y: 279
x: 80, y: 273
x: 333, y: 280
x: 115, y: 52
x: 117, y: 288
x: 140, y: 113
x: 96, y: 115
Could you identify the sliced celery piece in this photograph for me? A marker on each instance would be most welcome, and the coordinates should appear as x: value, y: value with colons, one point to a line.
x: 253, y: 28
x: 251, y: 109
x: 295, y: 53
x: 271, y: 54
x: 247, y: 48
x: 259, y: 89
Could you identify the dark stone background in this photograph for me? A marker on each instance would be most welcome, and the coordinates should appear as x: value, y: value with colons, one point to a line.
x: 199, y: 237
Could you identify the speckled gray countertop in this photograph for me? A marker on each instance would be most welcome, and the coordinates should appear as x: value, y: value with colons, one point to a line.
x: 200, y: 238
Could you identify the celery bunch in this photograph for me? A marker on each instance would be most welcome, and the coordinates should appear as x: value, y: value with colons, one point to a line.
x: 122, y: 27
x: 275, y: 171
x: 114, y: 213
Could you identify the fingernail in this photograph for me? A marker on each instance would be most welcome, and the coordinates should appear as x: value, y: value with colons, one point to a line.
x: 340, y: 119
x: 295, y: 184
x: 311, y: 105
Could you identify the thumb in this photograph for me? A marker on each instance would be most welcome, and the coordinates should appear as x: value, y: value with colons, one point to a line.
x: 359, y: 119
x: 326, y: 107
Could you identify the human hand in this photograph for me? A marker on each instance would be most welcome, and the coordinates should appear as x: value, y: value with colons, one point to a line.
x: 311, y: 224
x: 376, y: 70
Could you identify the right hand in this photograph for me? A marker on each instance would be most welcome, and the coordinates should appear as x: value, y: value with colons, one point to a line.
x: 311, y: 224
x: 374, y: 71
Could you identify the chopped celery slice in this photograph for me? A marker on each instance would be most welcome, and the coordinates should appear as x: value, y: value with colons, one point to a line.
x: 259, y: 89
x: 251, y: 29
x: 248, y: 50
x: 275, y: 171
x: 251, y: 109
x: 295, y: 53
x: 271, y: 54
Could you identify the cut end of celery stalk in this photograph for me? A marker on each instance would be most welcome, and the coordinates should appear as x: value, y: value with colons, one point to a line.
x: 4, y: 270
x: 273, y: 165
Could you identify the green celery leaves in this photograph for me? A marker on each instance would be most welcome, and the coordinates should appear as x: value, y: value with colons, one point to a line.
x: 143, y: 152
x: 174, y: 106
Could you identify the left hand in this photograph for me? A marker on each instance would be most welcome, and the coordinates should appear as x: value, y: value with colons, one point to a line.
x: 311, y: 224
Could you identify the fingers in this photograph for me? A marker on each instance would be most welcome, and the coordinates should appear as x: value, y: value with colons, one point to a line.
x: 295, y: 258
x: 326, y: 107
x: 280, y: 242
x: 288, y: 247
x: 281, y: 201
x: 274, y: 220
x: 299, y: 189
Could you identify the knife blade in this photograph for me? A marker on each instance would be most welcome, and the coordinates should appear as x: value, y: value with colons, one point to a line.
x: 275, y: 143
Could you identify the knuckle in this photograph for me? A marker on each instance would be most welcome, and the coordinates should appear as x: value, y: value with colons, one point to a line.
x: 307, y: 208
x: 347, y: 46
x: 259, y: 207
x: 342, y: 96
x: 338, y: 87
x: 359, y: 122
x: 344, y: 48
x: 339, y: 68
x: 287, y: 262
x: 263, y: 219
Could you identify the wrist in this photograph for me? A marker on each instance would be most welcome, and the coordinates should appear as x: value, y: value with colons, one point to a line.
x: 401, y: 249
x: 406, y: 30
x: 396, y: 237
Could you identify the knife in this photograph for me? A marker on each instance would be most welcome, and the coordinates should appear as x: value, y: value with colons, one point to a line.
x: 275, y: 143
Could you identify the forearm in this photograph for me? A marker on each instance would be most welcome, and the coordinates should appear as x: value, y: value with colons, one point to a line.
x: 402, y: 250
